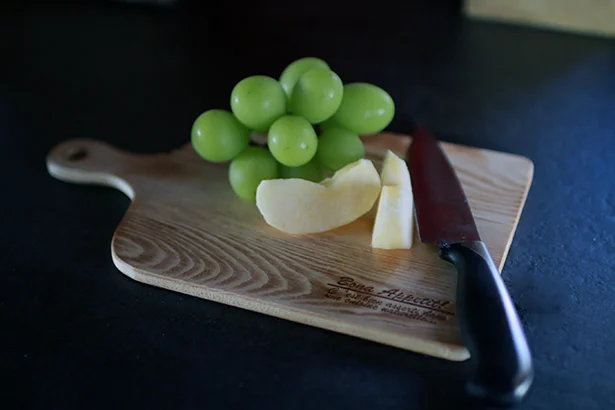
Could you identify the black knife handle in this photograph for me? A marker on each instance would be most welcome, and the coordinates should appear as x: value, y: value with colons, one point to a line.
x: 490, y: 327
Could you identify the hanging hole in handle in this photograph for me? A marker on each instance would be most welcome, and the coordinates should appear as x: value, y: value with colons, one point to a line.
x: 76, y: 154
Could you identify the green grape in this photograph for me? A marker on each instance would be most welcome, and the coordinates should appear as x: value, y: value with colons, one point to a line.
x: 292, y: 141
x: 218, y: 136
x: 311, y: 171
x: 249, y: 168
x: 365, y: 108
x: 258, y: 101
x: 338, y: 147
x: 317, y: 95
x: 291, y: 74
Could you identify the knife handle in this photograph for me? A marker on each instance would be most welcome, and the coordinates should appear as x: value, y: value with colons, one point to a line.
x: 490, y: 327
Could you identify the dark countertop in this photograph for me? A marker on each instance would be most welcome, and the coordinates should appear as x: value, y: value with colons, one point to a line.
x: 78, y: 334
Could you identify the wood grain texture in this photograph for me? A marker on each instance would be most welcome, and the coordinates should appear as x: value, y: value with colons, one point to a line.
x: 186, y: 231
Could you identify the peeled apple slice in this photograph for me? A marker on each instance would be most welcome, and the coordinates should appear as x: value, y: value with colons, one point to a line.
x: 394, y: 219
x: 298, y: 206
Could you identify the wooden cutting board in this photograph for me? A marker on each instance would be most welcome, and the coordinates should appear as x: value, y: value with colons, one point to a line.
x: 186, y: 231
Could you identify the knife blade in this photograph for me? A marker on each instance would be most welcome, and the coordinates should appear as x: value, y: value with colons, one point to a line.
x: 490, y: 326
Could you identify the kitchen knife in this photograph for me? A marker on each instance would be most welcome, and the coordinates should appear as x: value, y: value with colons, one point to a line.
x: 490, y: 327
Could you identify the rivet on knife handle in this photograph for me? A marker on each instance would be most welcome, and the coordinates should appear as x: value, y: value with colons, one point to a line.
x: 489, y: 323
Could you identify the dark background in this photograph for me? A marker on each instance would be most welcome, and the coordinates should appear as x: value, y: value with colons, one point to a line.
x: 78, y: 334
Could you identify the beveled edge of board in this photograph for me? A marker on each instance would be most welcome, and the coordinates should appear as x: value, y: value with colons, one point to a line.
x: 526, y: 191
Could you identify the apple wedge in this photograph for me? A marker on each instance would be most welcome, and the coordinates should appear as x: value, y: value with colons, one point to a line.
x: 393, y: 227
x: 298, y: 206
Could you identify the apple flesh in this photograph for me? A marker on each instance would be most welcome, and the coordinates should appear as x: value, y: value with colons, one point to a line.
x: 297, y: 206
x: 393, y: 227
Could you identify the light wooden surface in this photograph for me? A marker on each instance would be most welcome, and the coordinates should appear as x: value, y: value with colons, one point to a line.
x: 595, y: 17
x: 186, y: 231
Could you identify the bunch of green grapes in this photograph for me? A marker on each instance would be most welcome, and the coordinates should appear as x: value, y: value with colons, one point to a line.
x: 307, y: 94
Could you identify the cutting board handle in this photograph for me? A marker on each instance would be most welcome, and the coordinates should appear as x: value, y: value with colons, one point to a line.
x: 87, y: 161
